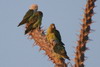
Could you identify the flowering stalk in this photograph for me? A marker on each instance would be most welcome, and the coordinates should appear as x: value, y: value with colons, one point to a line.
x: 84, y: 32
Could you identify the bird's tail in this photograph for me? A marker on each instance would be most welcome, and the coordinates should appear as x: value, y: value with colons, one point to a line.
x: 67, y: 57
x: 62, y: 43
x: 27, y: 30
x: 22, y: 22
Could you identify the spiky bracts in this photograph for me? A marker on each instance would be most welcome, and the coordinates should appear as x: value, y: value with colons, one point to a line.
x: 40, y: 40
x: 84, y: 32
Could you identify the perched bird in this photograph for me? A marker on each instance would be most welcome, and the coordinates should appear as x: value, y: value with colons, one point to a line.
x: 32, y: 9
x: 53, y: 36
x: 52, y: 29
x: 35, y: 21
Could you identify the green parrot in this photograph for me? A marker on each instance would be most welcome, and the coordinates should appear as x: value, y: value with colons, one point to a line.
x: 51, y: 35
x: 33, y: 8
x: 54, y: 35
x: 35, y: 21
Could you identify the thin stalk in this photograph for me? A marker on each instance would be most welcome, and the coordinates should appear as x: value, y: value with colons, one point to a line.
x: 84, y: 32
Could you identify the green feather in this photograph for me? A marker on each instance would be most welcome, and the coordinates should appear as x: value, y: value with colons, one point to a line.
x: 60, y: 49
x: 26, y: 17
x: 35, y: 21
x: 54, y: 37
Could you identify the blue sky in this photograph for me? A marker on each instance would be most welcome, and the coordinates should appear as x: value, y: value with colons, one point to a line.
x: 16, y: 49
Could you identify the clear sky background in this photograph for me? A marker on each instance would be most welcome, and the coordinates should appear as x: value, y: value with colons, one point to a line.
x: 16, y: 49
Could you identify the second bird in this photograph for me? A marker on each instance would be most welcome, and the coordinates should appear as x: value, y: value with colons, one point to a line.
x: 53, y: 35
x: 35, y: 22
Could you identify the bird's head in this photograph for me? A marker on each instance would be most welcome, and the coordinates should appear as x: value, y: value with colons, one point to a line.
x: 39, y: 13
x: 53, y: 26
x: 34, y: 7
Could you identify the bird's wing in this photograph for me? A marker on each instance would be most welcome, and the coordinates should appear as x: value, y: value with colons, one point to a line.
x: 28, y: 14
x: 60, y: 49
x: 35, y: 18
x: 26, y: 17
x: 57, y: 34
x: 32, y: 21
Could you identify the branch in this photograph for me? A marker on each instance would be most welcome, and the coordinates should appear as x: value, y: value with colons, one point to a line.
x: 84, y: 32
x: 40, y: 39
